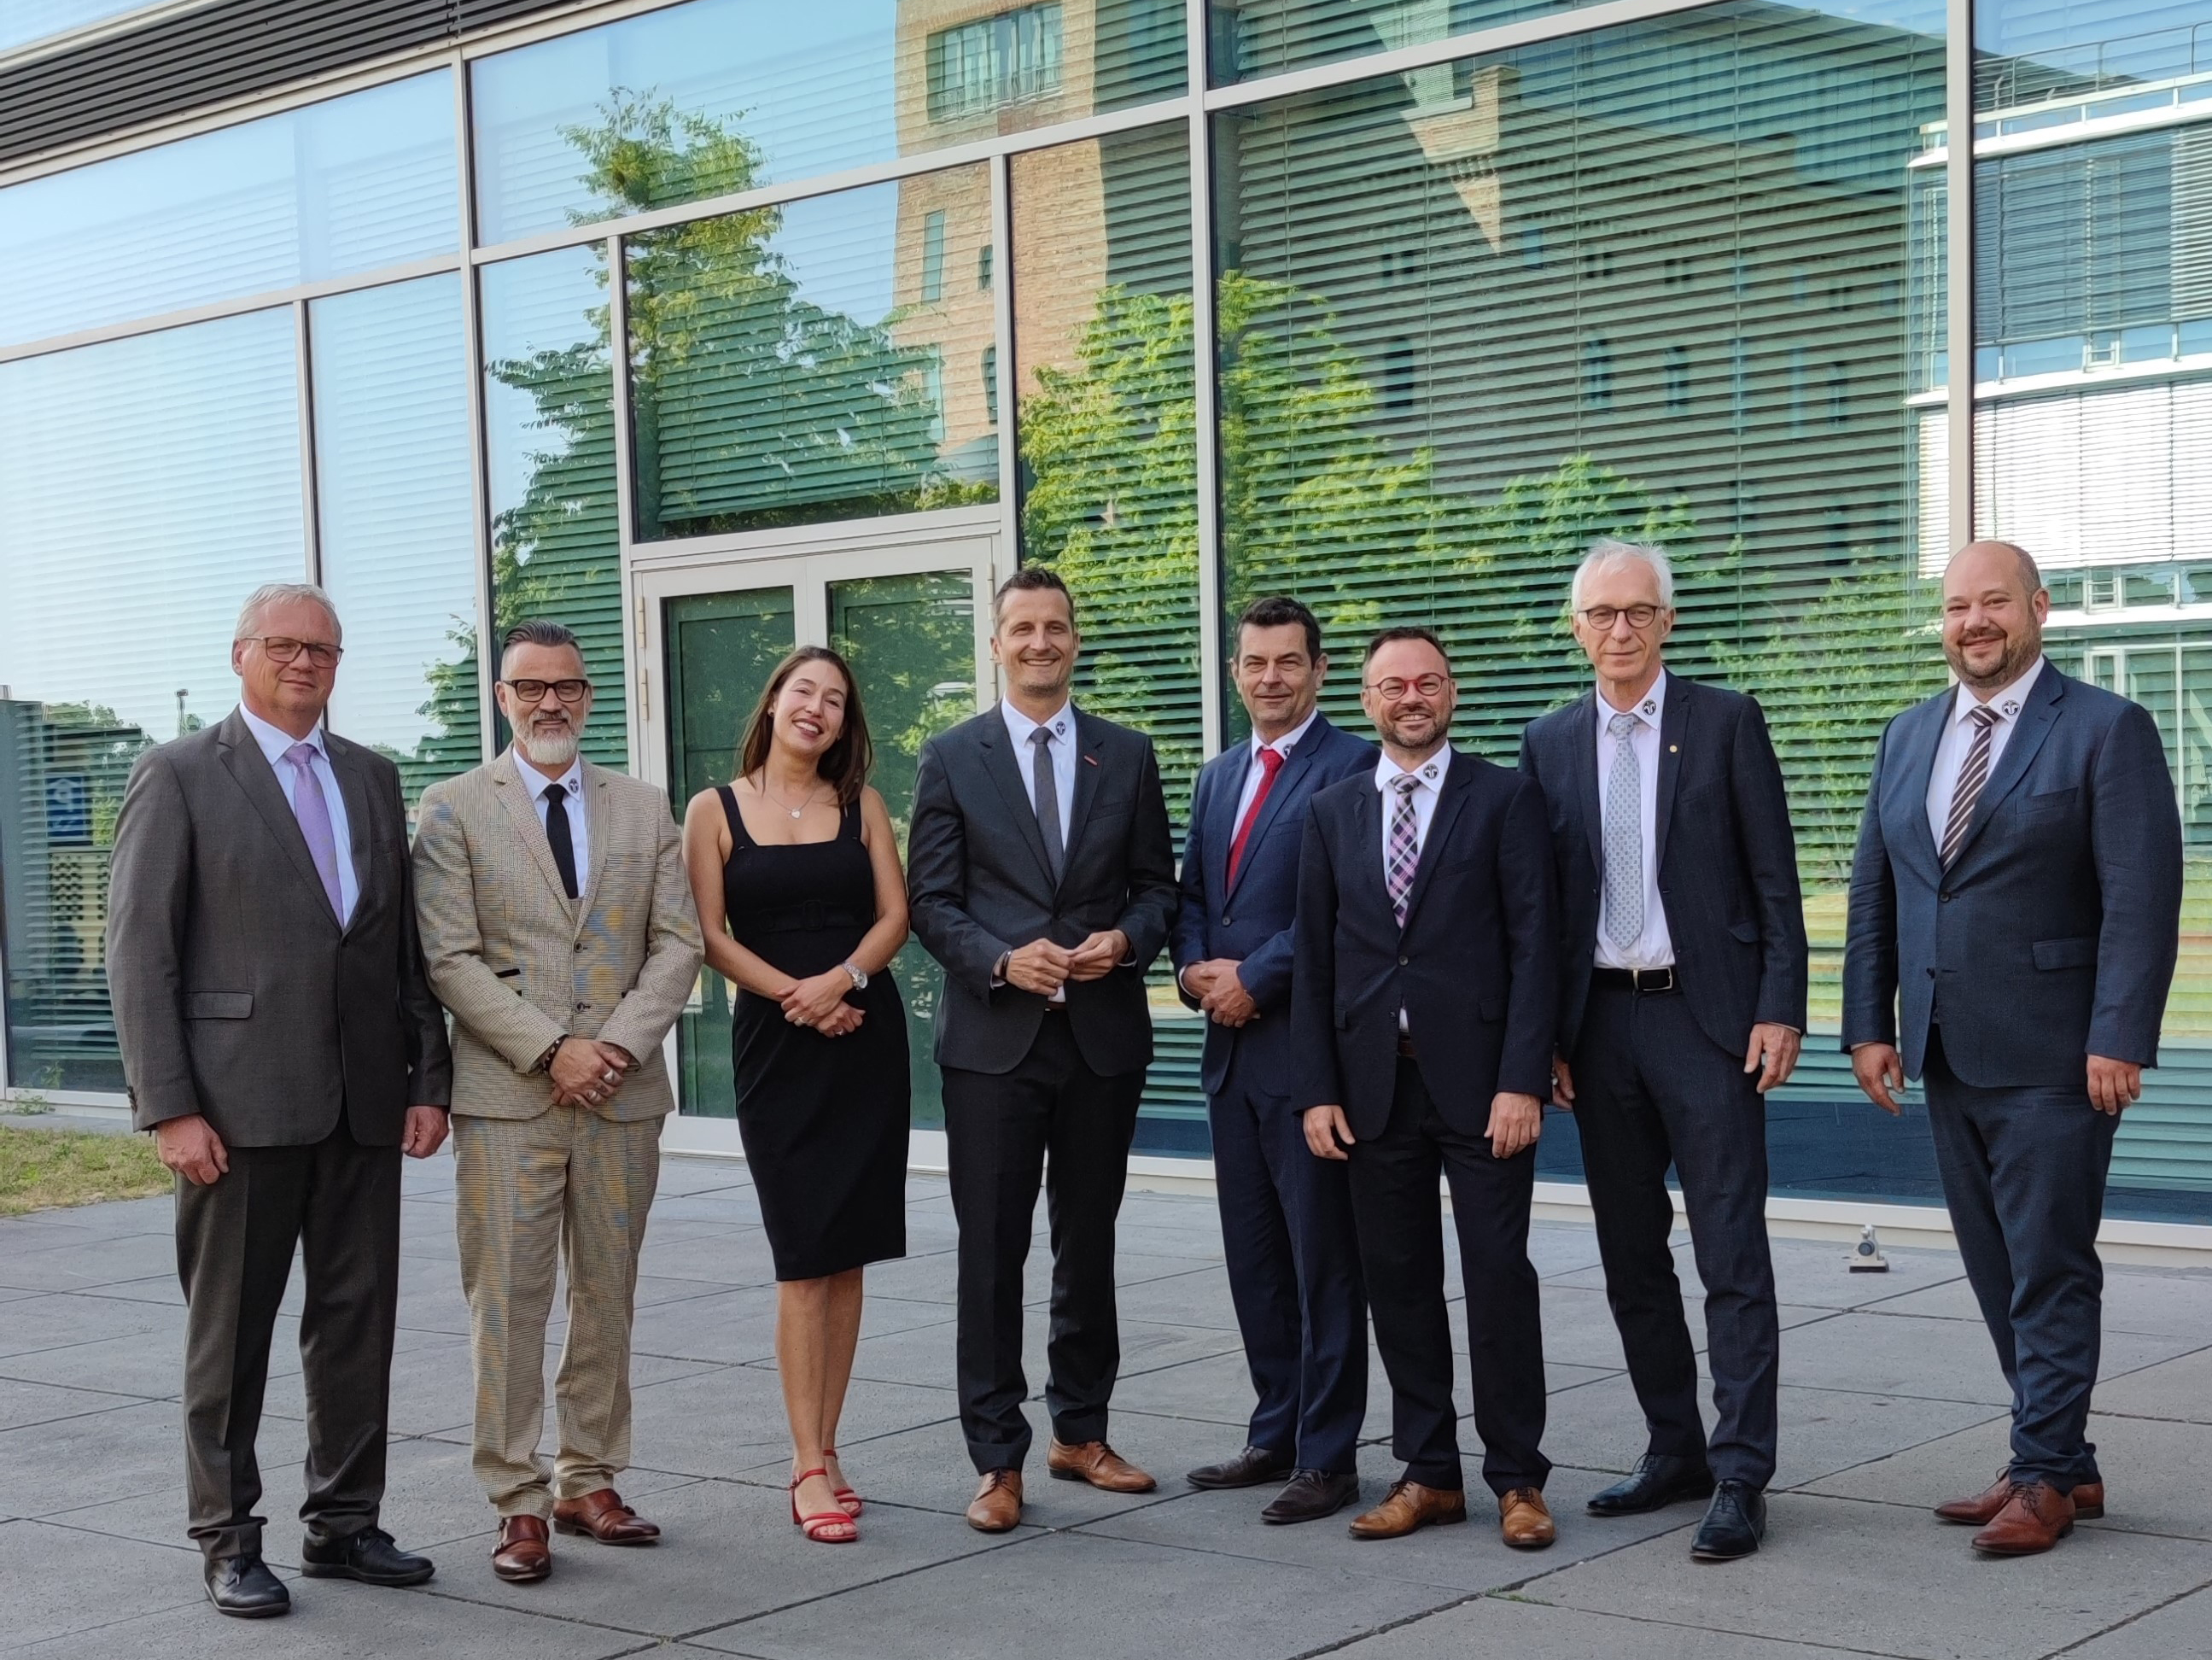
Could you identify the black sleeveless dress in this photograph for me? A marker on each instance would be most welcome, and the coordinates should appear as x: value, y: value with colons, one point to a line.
x: 823, y: 1119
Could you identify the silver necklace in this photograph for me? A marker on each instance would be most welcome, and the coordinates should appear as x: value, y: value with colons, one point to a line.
x: 796, y: 812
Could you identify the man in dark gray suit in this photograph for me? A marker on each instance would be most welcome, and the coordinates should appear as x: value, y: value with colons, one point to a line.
x: 1682, y: 969
x: 2014, y: 918
x: 1042, y: 876
x: 280, y: 1039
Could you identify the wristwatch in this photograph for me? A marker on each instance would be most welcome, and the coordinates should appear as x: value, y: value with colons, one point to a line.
x: 860, y: 975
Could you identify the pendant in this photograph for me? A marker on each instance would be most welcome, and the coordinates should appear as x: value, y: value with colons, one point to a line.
x: 797, y: 811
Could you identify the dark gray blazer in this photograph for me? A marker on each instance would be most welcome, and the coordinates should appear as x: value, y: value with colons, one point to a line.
x: 236, y: 994
x: 978, y: 886
x: 1474, y: 968
x: 2053, y: 935
x: 1251, y: 919
x: 1728, y: 880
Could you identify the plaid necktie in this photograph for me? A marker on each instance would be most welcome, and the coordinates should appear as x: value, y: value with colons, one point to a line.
x: 1973, y: 773
x: 1405, y: 848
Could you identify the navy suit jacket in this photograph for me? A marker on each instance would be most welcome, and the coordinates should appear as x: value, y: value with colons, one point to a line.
x: 1250, y: 920
x: 979, y: 886
x: 1476, y: 967
x: 1728, y: 880
x: 2052, y: 936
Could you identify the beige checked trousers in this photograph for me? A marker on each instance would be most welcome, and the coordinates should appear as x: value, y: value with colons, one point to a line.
x: 571, y: 1188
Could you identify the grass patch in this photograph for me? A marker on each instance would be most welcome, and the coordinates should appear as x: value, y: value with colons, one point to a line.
x: 42, y: 1169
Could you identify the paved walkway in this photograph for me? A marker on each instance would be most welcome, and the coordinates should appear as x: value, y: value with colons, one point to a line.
x: 1890, y: 1401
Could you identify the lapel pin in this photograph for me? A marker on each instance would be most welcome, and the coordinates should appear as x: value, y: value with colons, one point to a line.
x: 1092, y: 759
x: 1674, y: 748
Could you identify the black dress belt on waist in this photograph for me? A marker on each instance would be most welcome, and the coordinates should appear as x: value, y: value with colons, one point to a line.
x: 805, y: 917
x: 1644, y: 983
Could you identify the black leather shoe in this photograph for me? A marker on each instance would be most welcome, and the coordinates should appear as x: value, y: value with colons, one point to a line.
x: 1249, y: 1468
x: 370, y: 1556
x: 1658, y: 1480
x: 1734, y: 1523
x: 1311, y: 1495
x: 243, y: 1588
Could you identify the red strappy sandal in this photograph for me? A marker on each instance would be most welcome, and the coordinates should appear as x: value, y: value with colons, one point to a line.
x: 821, y: 1528
x: 852, y: 1501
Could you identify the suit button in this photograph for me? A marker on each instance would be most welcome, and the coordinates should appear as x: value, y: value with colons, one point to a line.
x: 1947, y: 898
x: 579, y: 944
x: 583, y: 1005
x: 1403, y: 960
x: 1228, y: 922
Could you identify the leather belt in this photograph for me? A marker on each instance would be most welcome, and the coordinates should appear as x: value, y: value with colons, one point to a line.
x: 1643, y: 982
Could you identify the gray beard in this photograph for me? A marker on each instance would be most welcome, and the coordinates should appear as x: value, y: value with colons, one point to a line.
x: 546, y: 751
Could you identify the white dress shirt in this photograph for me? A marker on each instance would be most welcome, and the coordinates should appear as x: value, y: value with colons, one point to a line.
x: 571, y: 804
x: 1958, y: 737
x: 1254, y: 772
x: 275, y: 741
x: 1429, y: 776
x: 1019, y: 727
x: 1653, y: 948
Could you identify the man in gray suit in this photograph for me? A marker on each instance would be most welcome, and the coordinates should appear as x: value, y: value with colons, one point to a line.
x: 280, y: 1039
x: 1043, y: 879
x: 2015, y: 917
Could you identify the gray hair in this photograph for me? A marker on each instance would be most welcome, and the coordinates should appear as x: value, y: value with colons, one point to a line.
x: 1608, y: 550
x: 538, y: 631
x: 278, y: 593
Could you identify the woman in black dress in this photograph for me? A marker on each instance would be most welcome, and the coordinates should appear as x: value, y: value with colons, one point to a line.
x: 799, y: 854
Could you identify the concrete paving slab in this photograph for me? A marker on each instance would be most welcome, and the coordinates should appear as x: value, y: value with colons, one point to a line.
x: 1911, y: 1588
x: 77, y: 1263
x: 64, y: 1583
x: 729, y: 1423
x: 2180, y: 1388
x: 1532, y: 1630
x: 1065, y: 1594
x: 56, y: 1320
x: 2182, y: 1627
x: 50, y: 1469
x: 733, y: 1326
x: 153, y: 1288
x: 22, y: 1405
x: 1878, y: 1352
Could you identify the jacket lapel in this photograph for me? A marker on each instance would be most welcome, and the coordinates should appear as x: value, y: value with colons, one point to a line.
x: 354, y: 787
x: 515, y: 794
x: 1920, y: 734
x: 1224, y: 788
x: 2035, y: 721
x: 1673, y: 722
x: 1295, y: 766
x: 250, y: 769
x: 1582, y: 749
x: 597, y: 810
x: 999, y: 761
x: 1373, y: 809
x: 1457, y: 781
x: 1089, y: 767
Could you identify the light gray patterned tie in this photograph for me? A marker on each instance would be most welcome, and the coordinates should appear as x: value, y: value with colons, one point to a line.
x: 1045, y: 786
x: 1623, y: 838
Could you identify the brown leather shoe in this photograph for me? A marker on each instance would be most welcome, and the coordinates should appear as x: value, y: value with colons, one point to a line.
x: 1524, y: 1520
x: 1982, y: 1509
x: 522, y: 1554
x: 997, y: 1506
x: 1098, y: 1464
x: 604, y: 1517
x: 2034, y: 1518
x: 1407, y: 1506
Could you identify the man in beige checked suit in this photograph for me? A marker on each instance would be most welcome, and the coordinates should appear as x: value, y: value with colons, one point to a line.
x: 558, y: 927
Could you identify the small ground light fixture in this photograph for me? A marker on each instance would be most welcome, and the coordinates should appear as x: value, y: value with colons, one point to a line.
x: 1866, y: 1256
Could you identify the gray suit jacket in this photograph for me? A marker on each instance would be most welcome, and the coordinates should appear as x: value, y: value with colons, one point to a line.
x: 237, y: 995
x: 2053, y: 935
x: 522, y: 965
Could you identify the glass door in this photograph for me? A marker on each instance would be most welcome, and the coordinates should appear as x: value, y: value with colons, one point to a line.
x: 914, y: 622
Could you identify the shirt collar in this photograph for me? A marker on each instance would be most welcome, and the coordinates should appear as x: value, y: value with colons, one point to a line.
x: 1649, y: 707
x: 1019, y: 725
x: 1288, y: 741
x: 571, y: 781
x: 1430, y: 772
x: 2007, y: 700
x: 274, y: 740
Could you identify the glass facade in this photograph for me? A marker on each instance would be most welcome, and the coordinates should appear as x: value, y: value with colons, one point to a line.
x: 1400, y: 335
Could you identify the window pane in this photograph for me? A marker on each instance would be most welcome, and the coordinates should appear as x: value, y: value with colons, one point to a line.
x: 23, y: 22
x: 1588, y: 291
x: 723, y: 95
x: 146, y: 486
x: 549, y: 446
x: 1106, y: 417
x: 789, y: 367
x: 326, y: 191
x: 2040, y: 63
x: 393, y: 493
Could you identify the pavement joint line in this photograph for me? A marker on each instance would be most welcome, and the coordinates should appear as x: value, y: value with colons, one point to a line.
x: 1811, y: 1643
x: 1016, y: 1540
x: 2121, y: 1624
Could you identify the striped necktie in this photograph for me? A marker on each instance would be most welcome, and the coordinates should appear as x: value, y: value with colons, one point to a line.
x: 1405, y: 850
x: 1973, y: 773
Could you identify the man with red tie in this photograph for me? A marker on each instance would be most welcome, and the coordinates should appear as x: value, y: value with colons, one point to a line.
x: 1285, y: 1215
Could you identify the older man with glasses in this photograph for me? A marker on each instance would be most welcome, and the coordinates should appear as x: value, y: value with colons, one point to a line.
x: 558, y: 923
x: 280, y: 1040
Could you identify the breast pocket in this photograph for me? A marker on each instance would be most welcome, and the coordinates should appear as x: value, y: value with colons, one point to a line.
x: 2042, y: 809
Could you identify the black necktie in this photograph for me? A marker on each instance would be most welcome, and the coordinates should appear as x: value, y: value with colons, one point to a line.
x: 557, y: 832
x: 1045, y: 786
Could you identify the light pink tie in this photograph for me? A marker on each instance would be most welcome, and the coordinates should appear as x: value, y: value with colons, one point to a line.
x: 313, y: 809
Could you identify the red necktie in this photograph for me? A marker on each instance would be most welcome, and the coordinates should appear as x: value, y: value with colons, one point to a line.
x: 1271, y: 763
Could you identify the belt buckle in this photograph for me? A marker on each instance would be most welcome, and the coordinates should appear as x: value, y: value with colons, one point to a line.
x: 1652, y: 980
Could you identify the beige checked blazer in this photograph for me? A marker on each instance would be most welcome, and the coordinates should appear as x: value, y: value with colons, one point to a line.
x: 522, y: 965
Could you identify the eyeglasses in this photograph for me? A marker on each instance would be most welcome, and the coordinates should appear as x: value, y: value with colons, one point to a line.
x: 533, y: 691
x: 282, y: 648
x: 1602, y: 618
x: 1390, y: 690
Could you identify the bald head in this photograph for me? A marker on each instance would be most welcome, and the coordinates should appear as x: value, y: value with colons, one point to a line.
x: 1994, y: 605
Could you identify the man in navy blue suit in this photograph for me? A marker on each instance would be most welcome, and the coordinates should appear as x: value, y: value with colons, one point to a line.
x: 2014, y: 916
x: 1285, y: 1215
